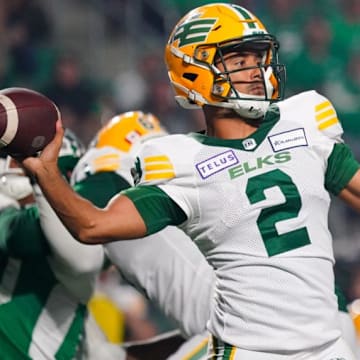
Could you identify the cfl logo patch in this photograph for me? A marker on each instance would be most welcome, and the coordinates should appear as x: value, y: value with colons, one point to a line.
x: 249, y: 144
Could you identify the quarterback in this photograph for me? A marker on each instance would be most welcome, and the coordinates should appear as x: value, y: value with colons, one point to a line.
x: 252, y: 191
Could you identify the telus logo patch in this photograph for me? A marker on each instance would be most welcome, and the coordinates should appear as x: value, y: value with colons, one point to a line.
x: 216, y: 164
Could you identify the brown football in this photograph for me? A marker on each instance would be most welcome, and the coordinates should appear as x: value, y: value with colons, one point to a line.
x: 27, y: 121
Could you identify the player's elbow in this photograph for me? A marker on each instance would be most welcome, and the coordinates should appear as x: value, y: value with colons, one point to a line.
x: 89, y: 236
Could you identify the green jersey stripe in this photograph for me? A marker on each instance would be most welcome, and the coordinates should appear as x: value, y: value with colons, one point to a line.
x: 74, y: 335
x: 28, y: 294
x: 228, y: 351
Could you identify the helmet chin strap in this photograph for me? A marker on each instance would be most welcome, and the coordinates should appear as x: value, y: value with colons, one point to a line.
x: 253, y: 109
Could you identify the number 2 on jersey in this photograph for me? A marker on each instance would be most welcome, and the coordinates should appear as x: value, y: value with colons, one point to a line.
x: 274, y: 243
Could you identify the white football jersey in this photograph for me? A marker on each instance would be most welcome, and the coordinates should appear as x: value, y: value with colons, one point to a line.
x: 258, y: 210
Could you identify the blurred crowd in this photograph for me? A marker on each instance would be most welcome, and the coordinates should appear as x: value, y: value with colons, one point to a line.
x: 320, y: 45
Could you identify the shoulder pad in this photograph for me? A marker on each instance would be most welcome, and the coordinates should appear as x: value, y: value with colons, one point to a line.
x: 160, y: 159
x: 314, y: 111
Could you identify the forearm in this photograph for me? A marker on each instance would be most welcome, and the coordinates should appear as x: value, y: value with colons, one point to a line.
x: 351, y: 193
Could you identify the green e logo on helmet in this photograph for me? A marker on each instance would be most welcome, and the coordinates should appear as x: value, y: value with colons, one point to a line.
x: 193, y: 31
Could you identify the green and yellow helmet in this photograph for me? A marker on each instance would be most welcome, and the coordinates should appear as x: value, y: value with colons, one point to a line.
x: 125, y: 130
x: 205, y: 34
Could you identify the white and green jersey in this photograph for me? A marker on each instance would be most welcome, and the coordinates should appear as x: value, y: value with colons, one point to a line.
x: 39, y: 318
x: 258, y: 210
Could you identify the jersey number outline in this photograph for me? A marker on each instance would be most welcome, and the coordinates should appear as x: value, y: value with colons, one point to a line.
x: 274, y: 243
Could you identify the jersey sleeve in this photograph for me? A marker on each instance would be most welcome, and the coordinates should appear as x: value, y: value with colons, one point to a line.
x: 164, y: 163
x: 342, y: 166
x: 21, y: 234
x: 99, y: 188
x: 156, y: 208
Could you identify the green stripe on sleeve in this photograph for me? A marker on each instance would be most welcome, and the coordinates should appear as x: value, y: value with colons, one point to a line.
x: 74, y: 336
x: 156, y: 208
x: 342, y: 166
x: 101, y: 187
x: 342, y: 302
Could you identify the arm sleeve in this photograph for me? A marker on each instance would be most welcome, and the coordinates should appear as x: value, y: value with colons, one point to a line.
x: 156, y: 208
x: 342, y: 166
x: 21, y: 234
x: 99, y: 188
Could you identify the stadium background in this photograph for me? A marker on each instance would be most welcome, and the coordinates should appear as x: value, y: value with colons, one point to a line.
x: 96, y: 58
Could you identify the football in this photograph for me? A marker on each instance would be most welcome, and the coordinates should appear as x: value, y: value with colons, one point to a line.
x: 27, y: 121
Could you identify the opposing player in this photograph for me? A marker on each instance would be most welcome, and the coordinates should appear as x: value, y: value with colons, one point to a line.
x: 241, y: 191
x: 44, y: 282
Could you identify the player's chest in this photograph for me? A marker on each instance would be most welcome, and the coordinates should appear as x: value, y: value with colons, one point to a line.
x: 292, y: 154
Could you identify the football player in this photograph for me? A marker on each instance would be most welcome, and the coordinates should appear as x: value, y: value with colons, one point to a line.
x: 181, y: 282
x: 252, y: 191
x: 44, y: 284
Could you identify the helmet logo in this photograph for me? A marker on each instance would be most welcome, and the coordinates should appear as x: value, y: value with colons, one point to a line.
x: 146, y: 123
x: 193, y: 31
x: 132, y: 137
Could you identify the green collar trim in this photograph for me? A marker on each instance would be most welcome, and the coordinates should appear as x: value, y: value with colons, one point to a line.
x: 253, y: 141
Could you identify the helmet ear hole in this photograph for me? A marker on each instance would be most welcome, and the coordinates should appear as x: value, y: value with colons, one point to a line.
x: 190, y: 76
